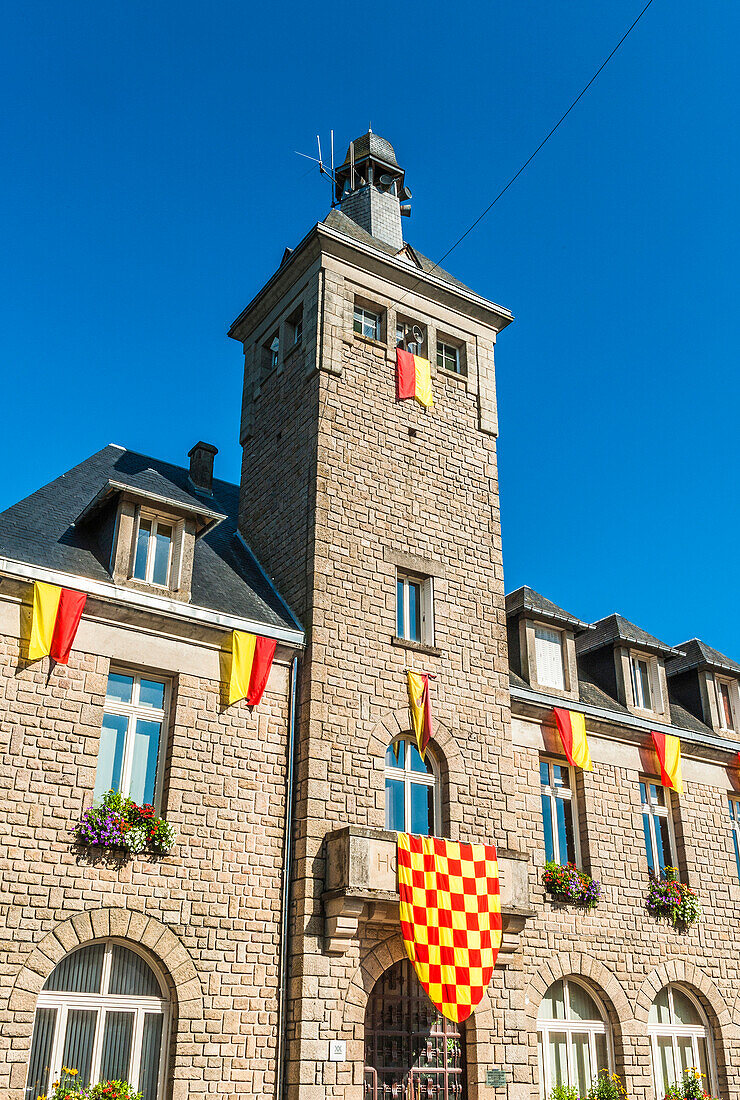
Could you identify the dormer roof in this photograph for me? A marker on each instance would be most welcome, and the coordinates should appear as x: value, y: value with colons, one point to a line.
x: 698, y: 655
x: 615, y: 628
x: 525, y: 601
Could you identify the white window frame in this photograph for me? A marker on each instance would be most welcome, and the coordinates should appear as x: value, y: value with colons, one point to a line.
x: 592, y: 1028
x: 655, y: 703
x: 104, y: 1003
x: 412, y: 778
x: 134, y: 710
x: 155, y: 520
x: 734, y: 696
x: 653, y: 809
x: 675, y: 1031
x: 426, y: 599
x: 734, y: 812
x: 444, y: 348
x: 366, y: 316
x: 565, y: 794
x: 545, y: 628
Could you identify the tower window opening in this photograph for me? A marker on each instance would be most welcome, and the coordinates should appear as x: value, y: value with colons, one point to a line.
x: 367, y: 323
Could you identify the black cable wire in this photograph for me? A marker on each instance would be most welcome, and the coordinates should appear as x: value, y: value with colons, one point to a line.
x: 544, y: 141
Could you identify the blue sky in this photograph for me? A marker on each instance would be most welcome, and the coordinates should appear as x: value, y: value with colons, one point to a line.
x: 150, y: 185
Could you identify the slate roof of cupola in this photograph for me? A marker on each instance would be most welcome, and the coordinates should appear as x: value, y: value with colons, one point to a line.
x: 372, y: 145
x: 525, y: 601
x: 697, y: 654
x: 615, y: 628
x: 41, y: 530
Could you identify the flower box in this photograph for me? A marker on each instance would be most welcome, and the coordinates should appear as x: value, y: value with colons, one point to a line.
x: 118, y: 824
x: 571, y: 886
x: 674, y: 901
x: 68, y: 1087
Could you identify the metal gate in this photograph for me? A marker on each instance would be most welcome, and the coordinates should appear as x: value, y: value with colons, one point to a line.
x: 411, y: 1051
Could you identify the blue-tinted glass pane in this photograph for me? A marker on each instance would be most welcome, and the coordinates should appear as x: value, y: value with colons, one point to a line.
x: 151, y: 1045
x: 142, y: 549
x: 566, y: 844
x: 151, y: 694
x: 648, y: 843
x: 414, y: 612
x: 110, y: 754
x: 415, y: 762
x: 80, y: 972
x: 120, y: 687
x: 663, y: 839
x: 78, y: 1043
x: 560, y: 775
x: 119, y: 1029
x: 737, y: 852
x: 144, y: 765
x: 547, y: 826
x: 395, y: 753
x: 162, y: 554
x: 394, y: 805
x: 422, y: 809
x: 544, y: 773
x: 643, y: 793
x: 400, y: 626
x: 733, y: 810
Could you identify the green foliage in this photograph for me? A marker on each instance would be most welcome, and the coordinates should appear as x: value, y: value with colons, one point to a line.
x: 564, y: 1092
x: 606, y: 1086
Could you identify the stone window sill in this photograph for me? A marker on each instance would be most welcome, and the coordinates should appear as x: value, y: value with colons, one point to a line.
x: 416, y: 647
x: 358, y: 339
x: 453, y: 374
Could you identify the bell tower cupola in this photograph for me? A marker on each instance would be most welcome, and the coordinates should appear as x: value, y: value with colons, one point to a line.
x: 370, y: 188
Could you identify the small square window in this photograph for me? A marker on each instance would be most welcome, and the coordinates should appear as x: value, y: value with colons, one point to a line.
x: 412, y: 336
x: 449, y: 358
x: 367, y: 323
x: 153, y: 551
x: 548, y: 648
x: 414, y: 617
x: 295, y: 328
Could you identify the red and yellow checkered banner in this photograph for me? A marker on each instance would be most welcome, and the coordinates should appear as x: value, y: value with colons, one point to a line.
x: 450, y: 918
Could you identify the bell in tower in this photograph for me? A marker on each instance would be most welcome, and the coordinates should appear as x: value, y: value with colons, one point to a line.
x: 370, y: 187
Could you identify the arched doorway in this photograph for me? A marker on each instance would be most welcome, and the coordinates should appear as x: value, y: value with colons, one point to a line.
x: 411, y: 1051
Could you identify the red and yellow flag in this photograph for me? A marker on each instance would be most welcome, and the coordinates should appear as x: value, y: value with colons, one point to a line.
x: 413, y: 378
x: 56, y: 616
x: 421, y: 709
x: 450, y: 918
x: 668, y: 749
x: 572, y: 729
x: 251, y: 661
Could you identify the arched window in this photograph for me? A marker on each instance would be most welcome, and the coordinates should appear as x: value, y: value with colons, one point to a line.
x: 572, y: 1036
x: 411, y: 1050
x: 103, y: 1012
x: 680, y: 1039
x: 411, y: 789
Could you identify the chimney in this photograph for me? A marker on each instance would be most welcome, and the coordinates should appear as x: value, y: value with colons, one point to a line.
x: 201, y: 466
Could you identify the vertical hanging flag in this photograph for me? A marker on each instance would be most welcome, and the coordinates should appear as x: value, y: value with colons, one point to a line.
x: 421, y: 708
x: 572, y: 729
x: 668, y: 749
x: 413, y: 378
x: 251, y: 661
x: 54, y: 621
x: 450, y: 918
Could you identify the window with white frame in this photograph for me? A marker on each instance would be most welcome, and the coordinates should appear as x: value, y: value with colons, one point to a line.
x: 414, y: 608
x: 153, y: 555
x: 448, y: 357
x: 572, y: 1038
x: 734, y: 807
x: 367, y: 323
x: 548, y: 653
x: 657, y: 824
x: 559, y: 812
x: 680, y: 1040
x: 412, y: 789
x: 645, y: 682
x: 103, y: 1012
x: 132, y: 739
x: 727, y: 703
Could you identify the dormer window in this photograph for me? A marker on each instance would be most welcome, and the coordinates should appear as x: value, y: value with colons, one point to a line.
x: 548, y: 645
x: 645, y: 682
x: 727, y: 703
x: 153, y: 558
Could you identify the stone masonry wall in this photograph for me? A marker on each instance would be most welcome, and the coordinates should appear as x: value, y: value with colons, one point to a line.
x: 208, y: 912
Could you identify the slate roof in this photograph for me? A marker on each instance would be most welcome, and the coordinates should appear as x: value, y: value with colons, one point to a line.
x: 697, y: 654
x: 372, y: 145
x: 526, y: 600
x: 40, y: 530
x: 615, y: 628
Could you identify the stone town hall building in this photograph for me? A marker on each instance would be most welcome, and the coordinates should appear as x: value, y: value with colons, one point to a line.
x: 262, y: 957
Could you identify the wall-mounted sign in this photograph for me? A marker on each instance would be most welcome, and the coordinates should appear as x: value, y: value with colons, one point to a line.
x: 337, y: 1050
x: 496, y: 1078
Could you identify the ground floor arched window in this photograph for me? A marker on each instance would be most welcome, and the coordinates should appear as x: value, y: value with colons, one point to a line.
x: 103, y: 1012
x: 573, y: 1038
x: 680, y: 1040
x: 411, y: 1050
